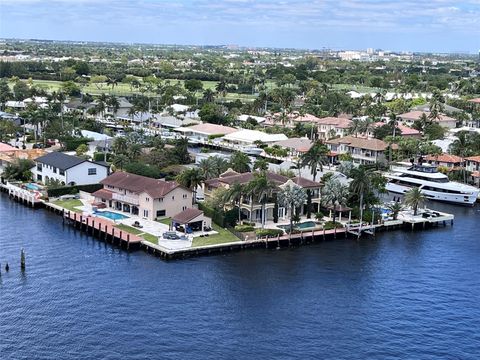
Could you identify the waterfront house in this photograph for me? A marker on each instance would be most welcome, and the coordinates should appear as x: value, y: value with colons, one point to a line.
x: 247, y: 137
x: 295, y: 146
x: 446, y: 160
x: 68, y: 169
x: 472, y: 164
x: 143, y: 196
x: 362, y: 150
x: 330, y: 127
x: 250, y: 206
x: 410, y: 117
x: 205, y: 132
x: 11, y: 156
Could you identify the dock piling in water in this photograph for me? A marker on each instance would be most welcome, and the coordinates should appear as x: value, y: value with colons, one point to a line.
x: 22, y: 259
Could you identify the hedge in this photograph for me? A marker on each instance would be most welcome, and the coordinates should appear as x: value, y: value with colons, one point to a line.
x: 72, y: 144
x: 244, y: 228
x: 69, y: 190
x: 217, y: 216
x: 329, y: 225
x: 269, y: 232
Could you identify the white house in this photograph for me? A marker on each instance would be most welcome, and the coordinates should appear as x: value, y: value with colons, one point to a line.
x: 68, y: 169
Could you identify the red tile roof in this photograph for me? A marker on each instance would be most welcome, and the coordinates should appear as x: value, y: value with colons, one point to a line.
x: 103, y: 194
x: 415, y: 115
x: 138, y: 184
x: 473, y: 158
x: 476, y: 100
x: 445, y: 158
x: 359, y: 142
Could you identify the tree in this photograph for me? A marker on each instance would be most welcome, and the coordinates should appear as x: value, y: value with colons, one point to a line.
x: 120, y: 145
x: 120, y: 160
x: 335, y: 194
x: 260, y: 164
x: 395, y: 208
x: 191, y: 178
x: 5, y: 93
x: 81, y: 149
x: 414, y: 198
x: 19, y: 170
x: 361, y: 185
x: 234, y: 196
x: 262, y: 188
x: 291, y: 196
x: 21, y: 90
x: 213, y: 113
x: 209, y: 96
x: 315, y: 158
x: 193, y: 85
x: 240, y: 162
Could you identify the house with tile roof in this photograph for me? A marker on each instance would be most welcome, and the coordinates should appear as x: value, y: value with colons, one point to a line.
x: 143, y: 196
x: 363, y: 150
x: 410, y: 117
x: 251, y: 207
x: 446, y: 160
x: 472, y: 164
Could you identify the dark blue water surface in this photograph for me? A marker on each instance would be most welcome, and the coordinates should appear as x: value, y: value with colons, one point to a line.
x: 402, y: 295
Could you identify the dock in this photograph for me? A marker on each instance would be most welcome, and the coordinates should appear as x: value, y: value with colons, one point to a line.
x: 105, y: 230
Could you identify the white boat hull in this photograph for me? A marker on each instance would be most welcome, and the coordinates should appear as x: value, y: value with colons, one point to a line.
x: 456, y: 198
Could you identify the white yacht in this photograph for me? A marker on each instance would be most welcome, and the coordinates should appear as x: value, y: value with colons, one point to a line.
x: 433, y: 184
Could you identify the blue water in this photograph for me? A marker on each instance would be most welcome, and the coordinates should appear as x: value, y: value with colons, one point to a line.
x: 404, y: 295
x: 303, y: 225
x: 31, y: 186
x: 111, y: 215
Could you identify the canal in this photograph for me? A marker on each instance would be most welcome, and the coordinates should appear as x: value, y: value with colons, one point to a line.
x: 411, y: 295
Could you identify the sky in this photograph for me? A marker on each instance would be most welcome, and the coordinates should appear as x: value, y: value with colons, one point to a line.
x: 400, y: 25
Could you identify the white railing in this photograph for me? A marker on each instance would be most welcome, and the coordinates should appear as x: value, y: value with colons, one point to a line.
x: 125, y: 198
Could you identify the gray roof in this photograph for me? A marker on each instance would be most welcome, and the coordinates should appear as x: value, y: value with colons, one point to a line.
x: 61, y: 160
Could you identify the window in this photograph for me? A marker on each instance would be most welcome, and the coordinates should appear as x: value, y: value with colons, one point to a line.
x: 61, y: 172
x: 161, y: 213
x: 39, y: 167
x: 92, y: 171
x: 173, y: 197
x: 145, y: 213
x: 54, y: 169
x: 184, y: 208
x: 147, y: 199
x: 185, y: 196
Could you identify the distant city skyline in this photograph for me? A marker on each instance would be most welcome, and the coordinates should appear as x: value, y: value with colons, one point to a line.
x: 419, y: 26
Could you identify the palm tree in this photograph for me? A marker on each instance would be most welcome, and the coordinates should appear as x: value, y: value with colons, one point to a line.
x: 355, y: 127
x: 414, y: 198
x: 361, y: 185
x: 120, y: 160
x: 395, y: 208
x: 191, y: 178
x: 335, y: 194
x: 315, y: 158
x: 113, y: 102
x: 112, y: 82
x: 234, y: 196
x: 120, y: 145
x: 209, y: 96
x: 262, y: 188
x: 260, y: 164
x: 102, y: 104
x: 291, y: 196
x: 240, y: 162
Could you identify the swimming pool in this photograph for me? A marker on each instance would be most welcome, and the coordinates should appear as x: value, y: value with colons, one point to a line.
x: 31, y: 186
x: 301, y: 226
x: 110, y: 215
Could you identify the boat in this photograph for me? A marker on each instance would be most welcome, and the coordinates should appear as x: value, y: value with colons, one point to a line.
x: 252, y: 150
x: 433, y: 184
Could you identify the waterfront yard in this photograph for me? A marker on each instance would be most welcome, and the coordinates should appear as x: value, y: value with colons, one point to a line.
x: 223, y: 236
x: 71, y: 204
x: 134, y: 231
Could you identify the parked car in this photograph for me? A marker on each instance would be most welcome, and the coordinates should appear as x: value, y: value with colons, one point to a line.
x: 170, y: 235
x: 38, y: 146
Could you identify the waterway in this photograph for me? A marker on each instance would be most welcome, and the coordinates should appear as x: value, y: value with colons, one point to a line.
x: 403, y: 295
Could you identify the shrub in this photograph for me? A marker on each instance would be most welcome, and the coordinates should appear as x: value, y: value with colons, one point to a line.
x: 244, y: 228
x: 100, y: 156
x: 329, y: 225
x: 269, y: 232
x: 68, y: 190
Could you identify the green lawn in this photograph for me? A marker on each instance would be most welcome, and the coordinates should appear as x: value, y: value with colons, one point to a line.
x: 70, y: 204
x: 223, y: 236
x: 165, y: 221
x: 134, y: 231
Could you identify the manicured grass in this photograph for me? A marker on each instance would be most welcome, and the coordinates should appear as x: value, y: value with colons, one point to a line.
x: 134, y: 231
x: 129, y: 229
x: 70, y: 204
x: 165, y: 221
x: 150, y: 238
x: 223, y: 236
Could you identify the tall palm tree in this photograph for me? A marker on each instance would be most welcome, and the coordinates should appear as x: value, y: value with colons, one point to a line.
x: 362, y: 186
x: 335, y: 194
x: 114, y: 104
x: 209, y: 96
x: 191, y: 178
x: 240, y: 162
x: 315, y: 158
x: 414, y: 198
x: 234, y: 196
x: 355, y: 127
x: 261, y: 188
x: 291, y: 196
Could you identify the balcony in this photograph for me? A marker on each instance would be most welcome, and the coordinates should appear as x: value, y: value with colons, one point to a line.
x: 126, y: 199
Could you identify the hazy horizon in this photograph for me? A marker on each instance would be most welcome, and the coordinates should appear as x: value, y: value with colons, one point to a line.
x: 439, y: 26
